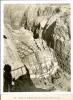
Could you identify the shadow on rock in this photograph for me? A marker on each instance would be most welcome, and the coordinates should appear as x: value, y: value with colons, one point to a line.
x: 25, y: 84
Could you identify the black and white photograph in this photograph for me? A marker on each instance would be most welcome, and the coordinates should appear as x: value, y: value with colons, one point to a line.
x: 37, y: 48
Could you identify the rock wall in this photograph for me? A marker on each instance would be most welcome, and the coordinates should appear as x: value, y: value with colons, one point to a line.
x: 38, y: 57
x: 62, y: 42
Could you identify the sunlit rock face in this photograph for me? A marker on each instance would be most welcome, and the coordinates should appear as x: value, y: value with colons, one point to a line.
x: 38, y: 57
x: 43, y: 56
x: 62, y: 39
x: 57, y: 35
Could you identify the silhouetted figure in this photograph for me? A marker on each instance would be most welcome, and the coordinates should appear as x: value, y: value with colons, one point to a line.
x: 7, y: 78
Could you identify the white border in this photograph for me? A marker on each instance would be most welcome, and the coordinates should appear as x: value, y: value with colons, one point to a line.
x: 2, y: 31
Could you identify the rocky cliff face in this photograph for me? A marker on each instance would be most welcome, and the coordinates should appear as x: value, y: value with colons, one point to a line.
x: 62, y: 38
x: 57, y: 35
x: 21, y: 48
